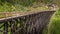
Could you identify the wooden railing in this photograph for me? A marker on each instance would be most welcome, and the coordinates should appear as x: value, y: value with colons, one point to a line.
x: 33, y: 23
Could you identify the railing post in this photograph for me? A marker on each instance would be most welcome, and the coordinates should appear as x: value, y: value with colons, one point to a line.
x: 13, y: 26
x: 5, y: 28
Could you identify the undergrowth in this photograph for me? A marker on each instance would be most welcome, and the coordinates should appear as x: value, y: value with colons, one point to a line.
x: 54, y: 25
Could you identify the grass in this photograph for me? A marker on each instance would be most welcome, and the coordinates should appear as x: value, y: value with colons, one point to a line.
x: 54, y: 27
x: 10, y: 8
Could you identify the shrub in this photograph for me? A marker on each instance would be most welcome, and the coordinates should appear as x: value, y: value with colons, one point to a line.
x: 54, y: 25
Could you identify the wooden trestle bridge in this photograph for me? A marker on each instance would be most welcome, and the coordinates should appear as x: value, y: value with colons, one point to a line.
x: 27, y: 23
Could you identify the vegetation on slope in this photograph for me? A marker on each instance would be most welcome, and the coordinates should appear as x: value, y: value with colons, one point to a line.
x: 21, y: 5
x: 54, y: 26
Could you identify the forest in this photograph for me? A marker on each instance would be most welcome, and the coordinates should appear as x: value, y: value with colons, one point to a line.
x: 28, y: 5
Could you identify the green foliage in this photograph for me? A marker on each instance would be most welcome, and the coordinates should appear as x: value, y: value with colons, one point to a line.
x: 12, y: 5
x: 54, y: 25
x: 21, y: 2
x: 25, y: 2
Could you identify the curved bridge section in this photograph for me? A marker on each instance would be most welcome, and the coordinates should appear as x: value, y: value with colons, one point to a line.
x: 33, y: 23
